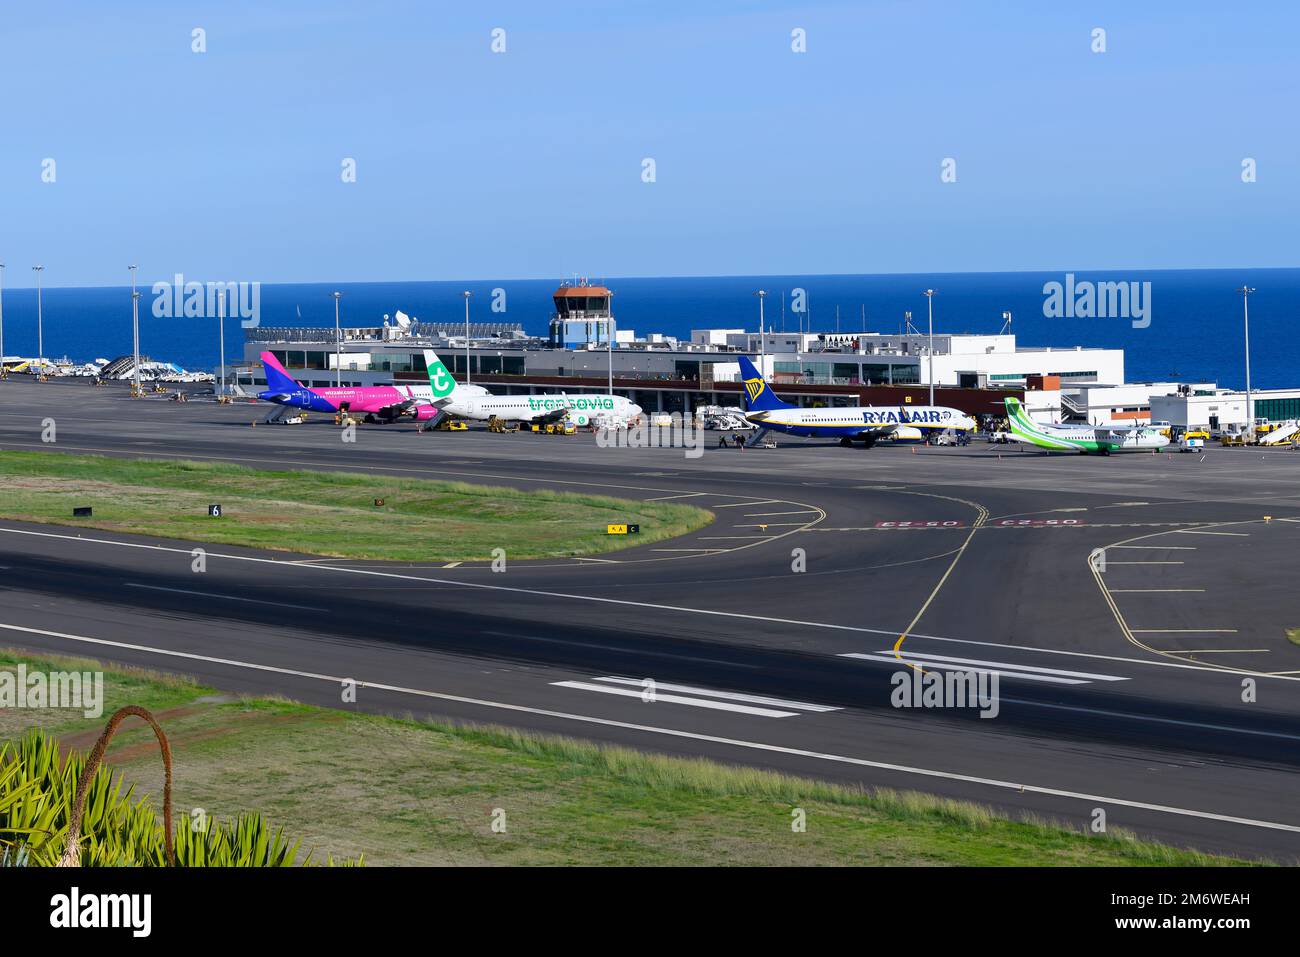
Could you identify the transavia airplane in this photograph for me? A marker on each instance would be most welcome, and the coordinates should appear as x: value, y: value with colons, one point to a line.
x: 863, y: 423
x: 580, y: 409
x: 1080, y: 438
x: 380, y: 403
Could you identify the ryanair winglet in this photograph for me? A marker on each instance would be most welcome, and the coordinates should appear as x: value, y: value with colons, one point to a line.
x: 758, y: 395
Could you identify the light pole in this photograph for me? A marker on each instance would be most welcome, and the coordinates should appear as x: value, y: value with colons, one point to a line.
x: 1245, y: 315
x: 466, y: 294
x: 221, y: 335
x: 338, y: 343
x: 929, y: 298
x: 762, y: 336
x: 135, y: 333
x: 907, y: 331
x: 609, y: 347
x: 40, y: 330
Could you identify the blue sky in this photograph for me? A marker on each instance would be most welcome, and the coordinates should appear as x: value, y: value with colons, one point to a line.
x: 226, y: 164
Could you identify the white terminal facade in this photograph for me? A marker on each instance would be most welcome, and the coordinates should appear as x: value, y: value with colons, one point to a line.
x: 1060, y: 384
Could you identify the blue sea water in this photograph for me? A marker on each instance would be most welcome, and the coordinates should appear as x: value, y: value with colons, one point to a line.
x: 1195, y: 332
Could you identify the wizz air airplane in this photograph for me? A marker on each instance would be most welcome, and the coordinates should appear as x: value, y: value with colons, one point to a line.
x: 866, y: 424
x: 1080, y: 438
x: 380, y: 403
x: 580, y: 409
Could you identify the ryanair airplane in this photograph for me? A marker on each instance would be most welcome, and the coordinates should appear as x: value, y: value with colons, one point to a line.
x: 865, y: 424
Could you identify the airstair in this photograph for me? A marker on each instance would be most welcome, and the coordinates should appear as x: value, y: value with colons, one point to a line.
x: 1282, y: 434
x: 1072, y: 411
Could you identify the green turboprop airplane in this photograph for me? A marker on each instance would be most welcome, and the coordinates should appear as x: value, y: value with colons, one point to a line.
x: 1080, y: 438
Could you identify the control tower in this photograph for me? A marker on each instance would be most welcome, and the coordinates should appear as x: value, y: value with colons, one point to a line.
x: 582, y: 316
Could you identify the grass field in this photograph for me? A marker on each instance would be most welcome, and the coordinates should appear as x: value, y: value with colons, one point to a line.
x: 406, y: 792
x: 326, y: 513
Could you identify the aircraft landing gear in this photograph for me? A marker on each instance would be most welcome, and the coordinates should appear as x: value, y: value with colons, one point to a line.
x: 846, y: 442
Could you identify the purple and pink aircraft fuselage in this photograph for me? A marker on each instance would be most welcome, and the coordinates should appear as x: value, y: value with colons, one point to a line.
x: 383, y: 403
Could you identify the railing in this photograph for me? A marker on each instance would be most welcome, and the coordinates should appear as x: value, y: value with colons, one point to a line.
x: 1072, y: 407
x: 325, y: 334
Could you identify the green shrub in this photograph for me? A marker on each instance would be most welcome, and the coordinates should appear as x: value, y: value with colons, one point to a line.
x: 38, y: 789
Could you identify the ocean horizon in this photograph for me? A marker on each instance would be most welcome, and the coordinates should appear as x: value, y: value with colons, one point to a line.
x: 1193, y: 332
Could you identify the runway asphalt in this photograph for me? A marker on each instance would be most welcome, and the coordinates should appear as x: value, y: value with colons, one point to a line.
x: 1120, y: 688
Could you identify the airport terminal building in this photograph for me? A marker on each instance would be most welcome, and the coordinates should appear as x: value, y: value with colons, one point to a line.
x: 585, y: 351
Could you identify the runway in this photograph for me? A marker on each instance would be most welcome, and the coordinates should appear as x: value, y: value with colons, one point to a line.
x: 1121, y: 679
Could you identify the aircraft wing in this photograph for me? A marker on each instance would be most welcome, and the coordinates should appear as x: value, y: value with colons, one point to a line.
x: 1114, y: 435
x: 555, y: 415
x: 881, y: 431
x: 393, y: 410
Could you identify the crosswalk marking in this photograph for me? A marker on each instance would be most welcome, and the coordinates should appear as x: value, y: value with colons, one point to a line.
x: 759, y: 705
x: 1003, y: 669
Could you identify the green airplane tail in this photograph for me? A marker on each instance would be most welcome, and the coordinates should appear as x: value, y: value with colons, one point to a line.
x: 440, y: 380
x: 1016, y: 414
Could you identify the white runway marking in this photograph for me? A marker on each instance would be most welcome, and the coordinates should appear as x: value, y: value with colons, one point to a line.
x: 1005, y: 669
x: 1143, y: 591
x: 626, y: 602
x: 688, y: 549
x: 726, y: 695
x: 208, y: 594
x: 1146, y: 563
x: 676, y: 699
x: 1167, y: 548
x: 696, y: 736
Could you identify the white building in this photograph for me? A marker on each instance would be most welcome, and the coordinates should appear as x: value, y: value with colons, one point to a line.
x: 1225, y: 408
x: 1126, y: 404
x: 969, y: 361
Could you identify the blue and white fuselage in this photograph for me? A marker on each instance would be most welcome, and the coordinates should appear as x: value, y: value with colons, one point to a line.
x: 863, y: 423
